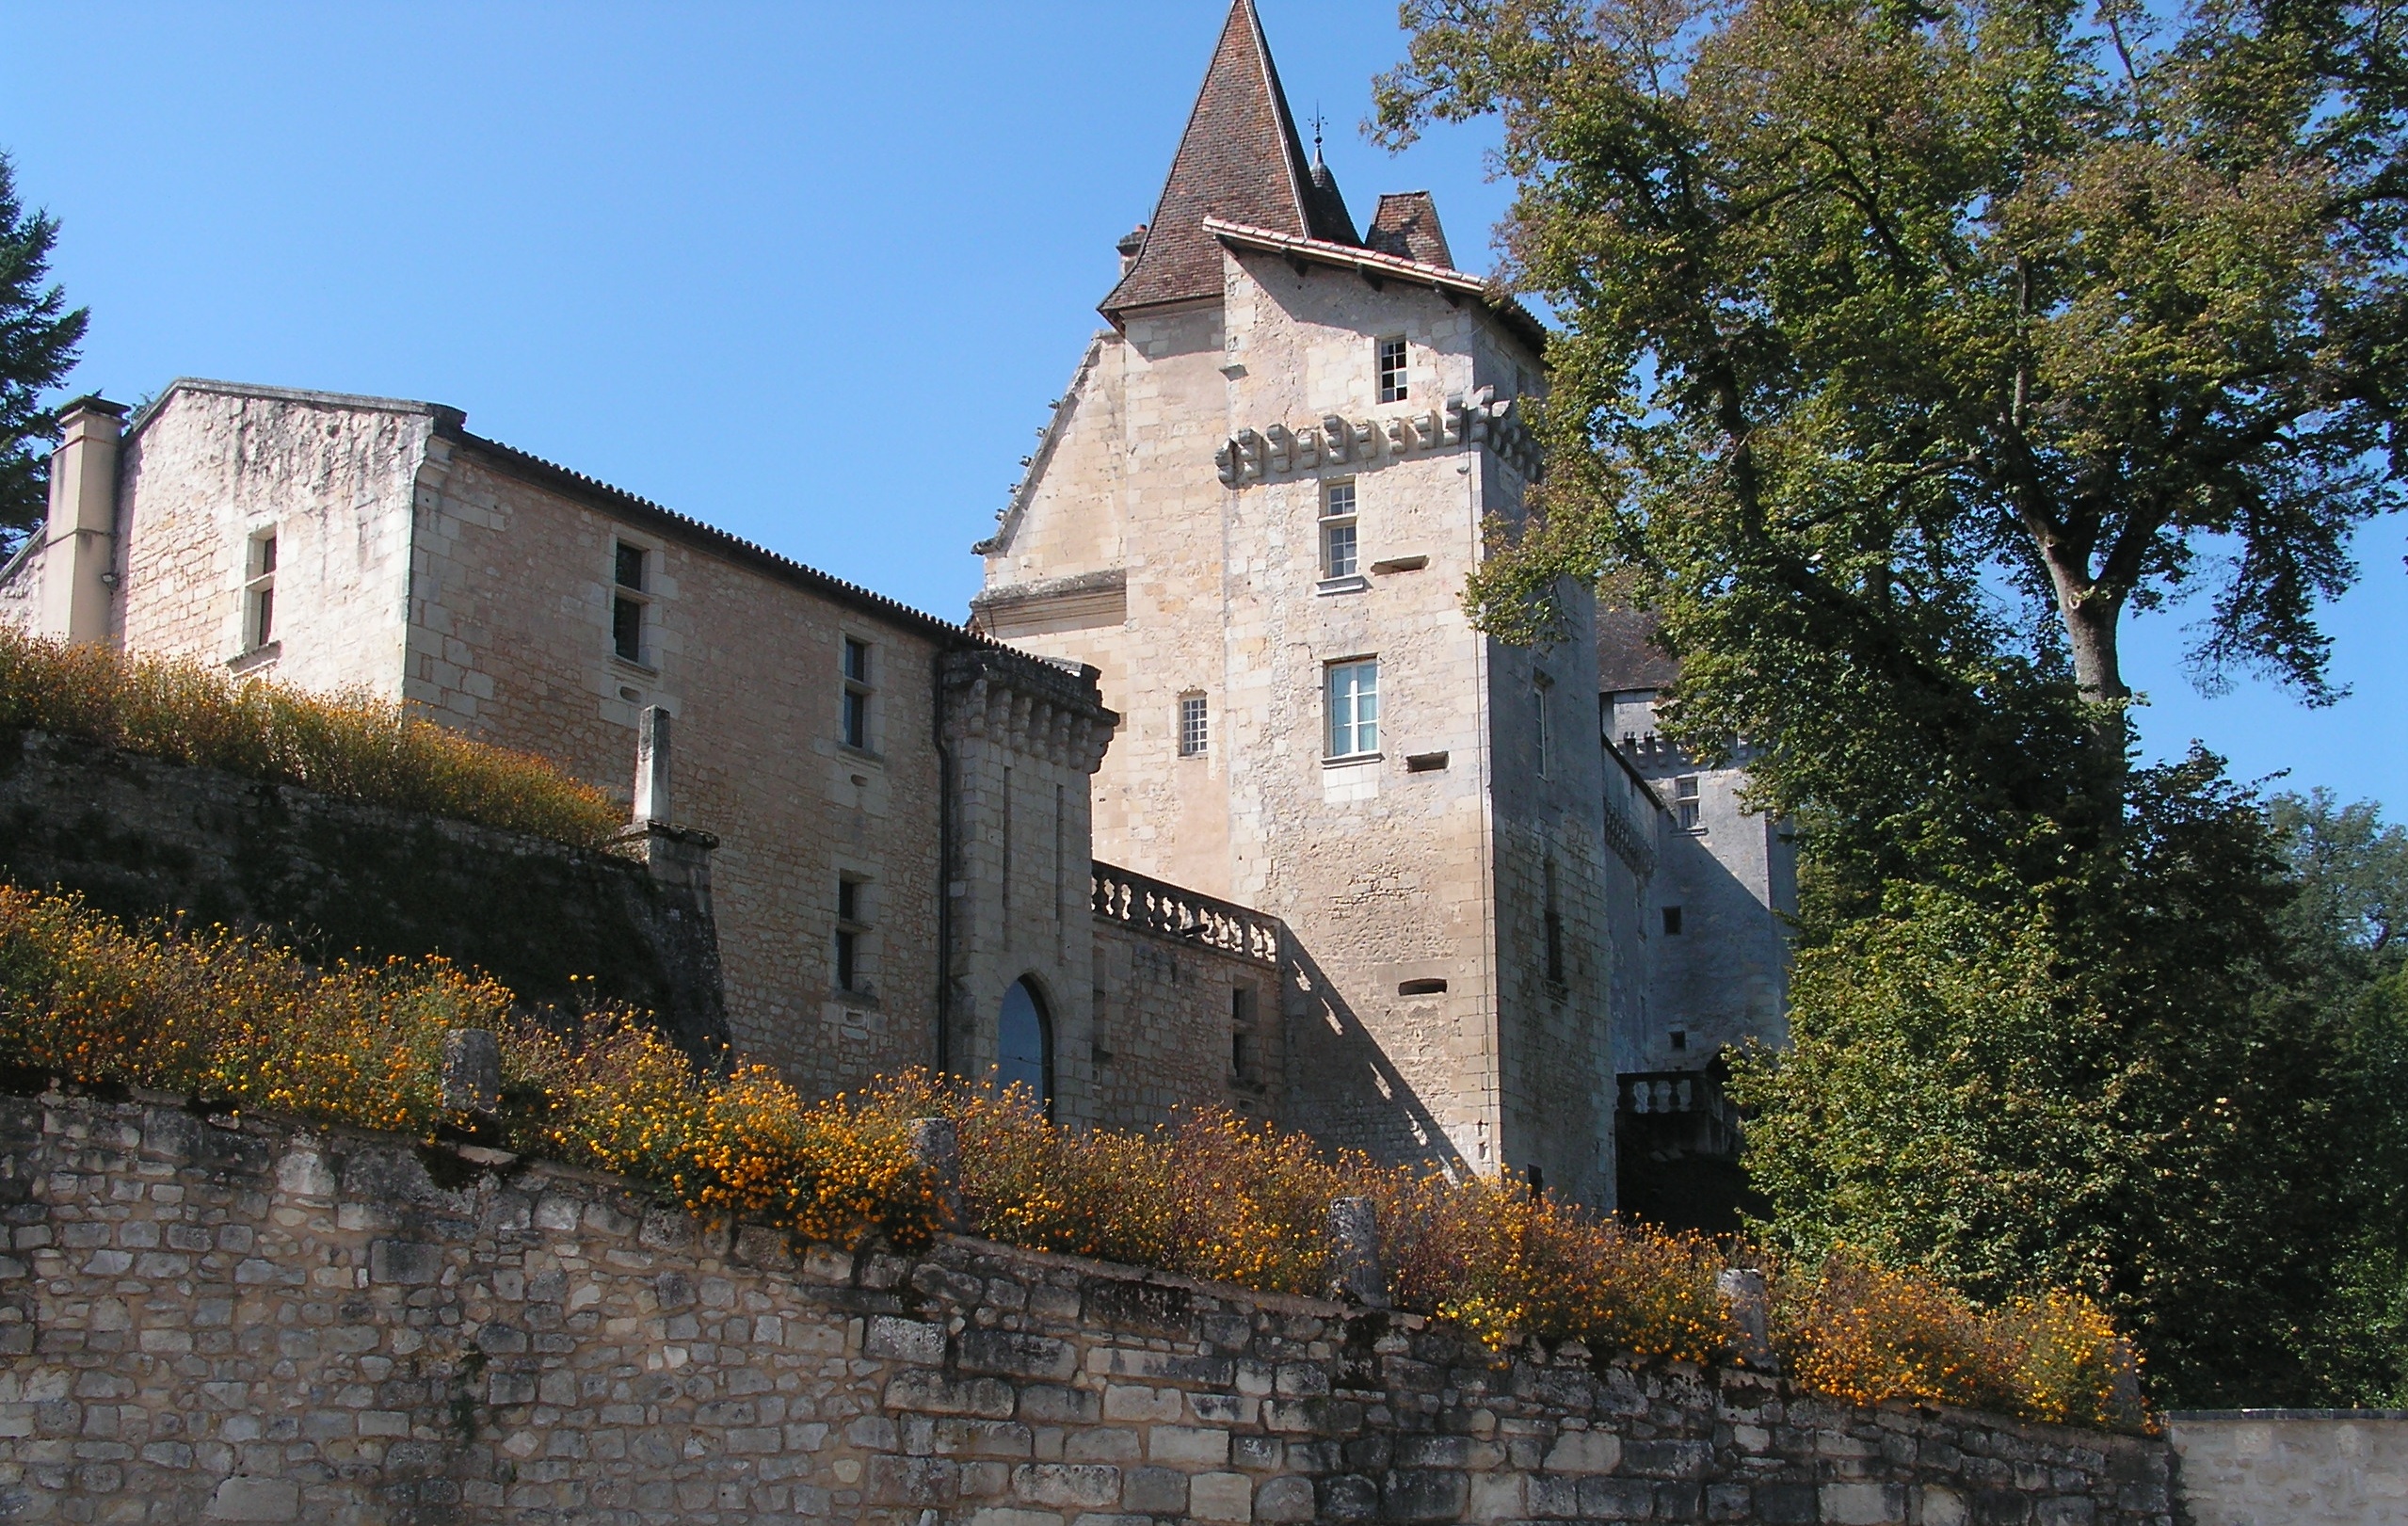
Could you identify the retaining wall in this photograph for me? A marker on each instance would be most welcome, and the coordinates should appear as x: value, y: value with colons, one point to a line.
x: 2291, y: 1467
x: 140, y: 837
x: 211, y: 1319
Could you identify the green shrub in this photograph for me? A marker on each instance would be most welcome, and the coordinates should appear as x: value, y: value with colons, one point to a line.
x: 352, y: 746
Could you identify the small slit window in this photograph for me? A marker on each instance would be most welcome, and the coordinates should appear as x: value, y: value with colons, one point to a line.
x: 1672, y: 921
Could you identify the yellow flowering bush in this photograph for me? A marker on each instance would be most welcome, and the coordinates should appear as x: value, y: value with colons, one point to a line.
x: 1857, y: 1330
x: 351, y: 745
x: 234, y: 1019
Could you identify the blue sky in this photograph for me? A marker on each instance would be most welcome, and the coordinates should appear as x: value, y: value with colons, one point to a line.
x: 811, y: 272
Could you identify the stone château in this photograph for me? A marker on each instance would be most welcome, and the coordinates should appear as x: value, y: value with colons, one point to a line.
x: 1216, y: 798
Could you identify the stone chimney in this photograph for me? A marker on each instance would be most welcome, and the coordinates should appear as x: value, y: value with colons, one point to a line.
x: 79, y: 542
x: 1130, y: 241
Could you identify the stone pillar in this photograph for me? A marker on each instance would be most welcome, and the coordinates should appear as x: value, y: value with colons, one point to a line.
x: 936, y: 1145
x: 80, y: 540
x: 472, y: 1071
x: 652, y: 767
x: 1355, y: 1253
x: 1742, y: 1290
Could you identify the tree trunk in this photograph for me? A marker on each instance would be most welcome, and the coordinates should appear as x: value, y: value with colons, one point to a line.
x: 2090, y: 619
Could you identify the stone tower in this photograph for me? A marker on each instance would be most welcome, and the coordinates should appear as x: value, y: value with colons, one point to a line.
x: 1253, y: 511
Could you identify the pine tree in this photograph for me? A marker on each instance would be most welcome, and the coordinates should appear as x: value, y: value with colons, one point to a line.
x: 37, y: 340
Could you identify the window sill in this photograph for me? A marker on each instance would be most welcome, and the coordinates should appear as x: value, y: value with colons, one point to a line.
x: 1327, y: 586
x: 256, y: 658
x: 640, y: 669
x: 846, y: 749
x: 1353, y: 760
x: 1401, y: 564
x: 863, y: 1000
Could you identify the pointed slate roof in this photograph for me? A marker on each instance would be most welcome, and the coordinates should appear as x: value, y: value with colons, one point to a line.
x: 1240, y: 160
x: 1406, y: 225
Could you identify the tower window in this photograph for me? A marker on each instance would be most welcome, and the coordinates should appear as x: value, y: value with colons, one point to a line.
x: 1354, y: 708
x: 627, y: 603
x: 1680, y: 1038
x: 1195, y: 726
x: 1392, y: 369
x: 259, y: 591
x: 854, y: 720
x: 1338, y: 545
x: 1242, y: 1059
x: 1684, y: 802
x: 1672, y: 922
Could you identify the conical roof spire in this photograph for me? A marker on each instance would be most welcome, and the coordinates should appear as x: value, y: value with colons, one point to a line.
x: 1240, y: 160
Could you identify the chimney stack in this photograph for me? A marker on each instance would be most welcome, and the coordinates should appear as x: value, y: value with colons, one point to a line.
x: 652, y: 767
x: 1130, y: 241
x: 79, y: 542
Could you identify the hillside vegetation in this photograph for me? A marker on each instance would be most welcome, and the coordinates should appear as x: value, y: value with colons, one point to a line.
x: 243, y: 1024
x: 350, y: 746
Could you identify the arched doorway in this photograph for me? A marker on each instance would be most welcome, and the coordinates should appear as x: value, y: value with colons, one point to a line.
x: 1025, y: 1044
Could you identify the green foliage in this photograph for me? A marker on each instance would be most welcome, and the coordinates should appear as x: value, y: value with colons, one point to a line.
x: 2106, y: 1081
x: 37, y: 340
x: 351, y: 745
x: 1929, y: 341
x: 2352, y: 873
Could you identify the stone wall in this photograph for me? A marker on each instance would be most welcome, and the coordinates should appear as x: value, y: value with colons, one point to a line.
x: 2291, y: 1467
x: 210, y: 1320
x: 1188, y: 998
x: 138, y: 837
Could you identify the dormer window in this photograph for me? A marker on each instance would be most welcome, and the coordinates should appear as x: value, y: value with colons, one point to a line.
x: 1392, y: 369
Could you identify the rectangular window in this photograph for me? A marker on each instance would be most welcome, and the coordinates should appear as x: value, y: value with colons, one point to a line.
x: 627, y: 604
x: 1354, y: 708
x: 1680, y: 1038
x: 1672, y: 922
x: 855, y: 728
x: 259, y: 588
x: 1391, y: 367
x: 1193, y: 726
x: 1684, y: 802
x: 1338, y: 546
x: 850, y: 925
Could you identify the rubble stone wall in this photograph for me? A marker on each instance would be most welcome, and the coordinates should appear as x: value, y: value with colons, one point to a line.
x: 211, y: 1319
x: 2291, y: 1467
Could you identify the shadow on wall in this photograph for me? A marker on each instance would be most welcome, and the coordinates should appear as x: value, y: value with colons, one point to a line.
x: 1341, y: 1088
x: 561, y: 926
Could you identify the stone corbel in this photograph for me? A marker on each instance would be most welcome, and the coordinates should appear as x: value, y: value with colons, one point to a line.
x: 1249, y: 454
x: 1309, y: 448
x: 1281, y: 441
x: 1226, y: 459
x: 1450, y: 422
x: 1400, y: 435
x: 1365, y: 440
x: 1428, y: 427
x: 1339, y: 436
